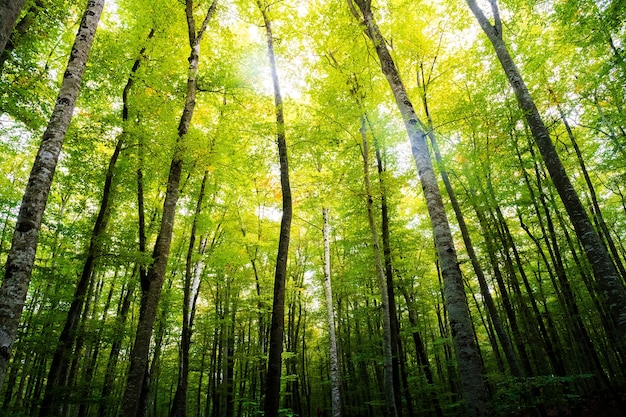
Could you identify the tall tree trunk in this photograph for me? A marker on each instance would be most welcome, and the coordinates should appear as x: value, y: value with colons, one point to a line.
x: 272, y: 388
x: 68, y: 335
x: 597, y: 212
x: 335, y: 371
x: 503, y: 337
x: 400, y: 378
x: 151, y: 288
x: 388, y: 371
x: 9, y: 12
x: 21, y: 257
x: 472, y: 382
x: 190, y: 290
x: 604, y: 271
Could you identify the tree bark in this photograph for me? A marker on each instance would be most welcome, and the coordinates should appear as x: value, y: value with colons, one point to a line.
x: 68, y: 335
x: 503, y: 337
x: 9, y: 12
x: 191, y: 288
x: 472, y: 384
x: 274, y: 364
x: 388, y: 370
x: 335, y: 371
x: 604, y: 271
x: 21, y: 257
x: 151, y: 288
x: 21, y: 28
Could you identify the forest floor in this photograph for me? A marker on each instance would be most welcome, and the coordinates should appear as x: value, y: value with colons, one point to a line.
x: 590, y: 407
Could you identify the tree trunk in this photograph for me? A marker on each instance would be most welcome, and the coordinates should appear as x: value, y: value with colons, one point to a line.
x: 388, y: 371
x: 68, y: 335
x: 9, y: 12
x: 21, y: 257
x: 604, y: 271
x: 472, y: 383
x: 335, y: 371
x: 151, y: 288
x: 20, y: 28
x: 505, y: 341
x: 190, y: 290
x: 400, y: 378
x: 274, y: 365
x: 597, y: 212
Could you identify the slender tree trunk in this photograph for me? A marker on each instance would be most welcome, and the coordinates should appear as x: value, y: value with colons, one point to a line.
x: 9, y: 12
x: 21, y: 257
x: 420, y: 350
x: 190, y: 290
x: 116, y: 346
x: 399, y: 376
x: 156, y: 273
x: 388, y: 371
x: 274, y: 364
x: 335, y: 371
x: 67, y: 338
x: 604, y: 271
x: 505, y: 341
x: 597, y: 212
x: 472, y: 382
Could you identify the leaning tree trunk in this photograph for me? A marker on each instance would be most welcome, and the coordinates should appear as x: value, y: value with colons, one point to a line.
x: 603, y: 268
x: 272, y: 386
x: 153, y: 284
x: 21, y: 257
x: 335, y: 370
x: 9, y: 12
x: 470, y: 369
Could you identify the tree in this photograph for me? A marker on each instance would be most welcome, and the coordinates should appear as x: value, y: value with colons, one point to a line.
x: 9, y: 12
x: 335, y: 372
x: 153, y: 283
x: 21, y: 257
x: 274, y: 363
x: 604, y: 270
x: 388, y: 351
x: 473, y: 386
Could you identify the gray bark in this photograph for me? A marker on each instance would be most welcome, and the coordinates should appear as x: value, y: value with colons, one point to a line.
x: 388, y: 374
x: 21, y: 257
x: 9, y: 12
x: 472, y: 383
x: 335, y: 371
x: 151, y: 288
x: 603, y: 268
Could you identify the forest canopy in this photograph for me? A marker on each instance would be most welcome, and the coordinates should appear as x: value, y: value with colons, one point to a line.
x: 311, y: 208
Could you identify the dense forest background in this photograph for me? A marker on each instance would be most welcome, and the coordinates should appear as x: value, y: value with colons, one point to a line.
x: 247, y: 213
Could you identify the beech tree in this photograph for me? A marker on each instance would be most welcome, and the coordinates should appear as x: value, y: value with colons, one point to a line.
x: 604, y: 270
x: 474, y: 391
x: 10, y: 11
x: 274, y: 364
x: 21, y: 257
x: 154, y: 278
